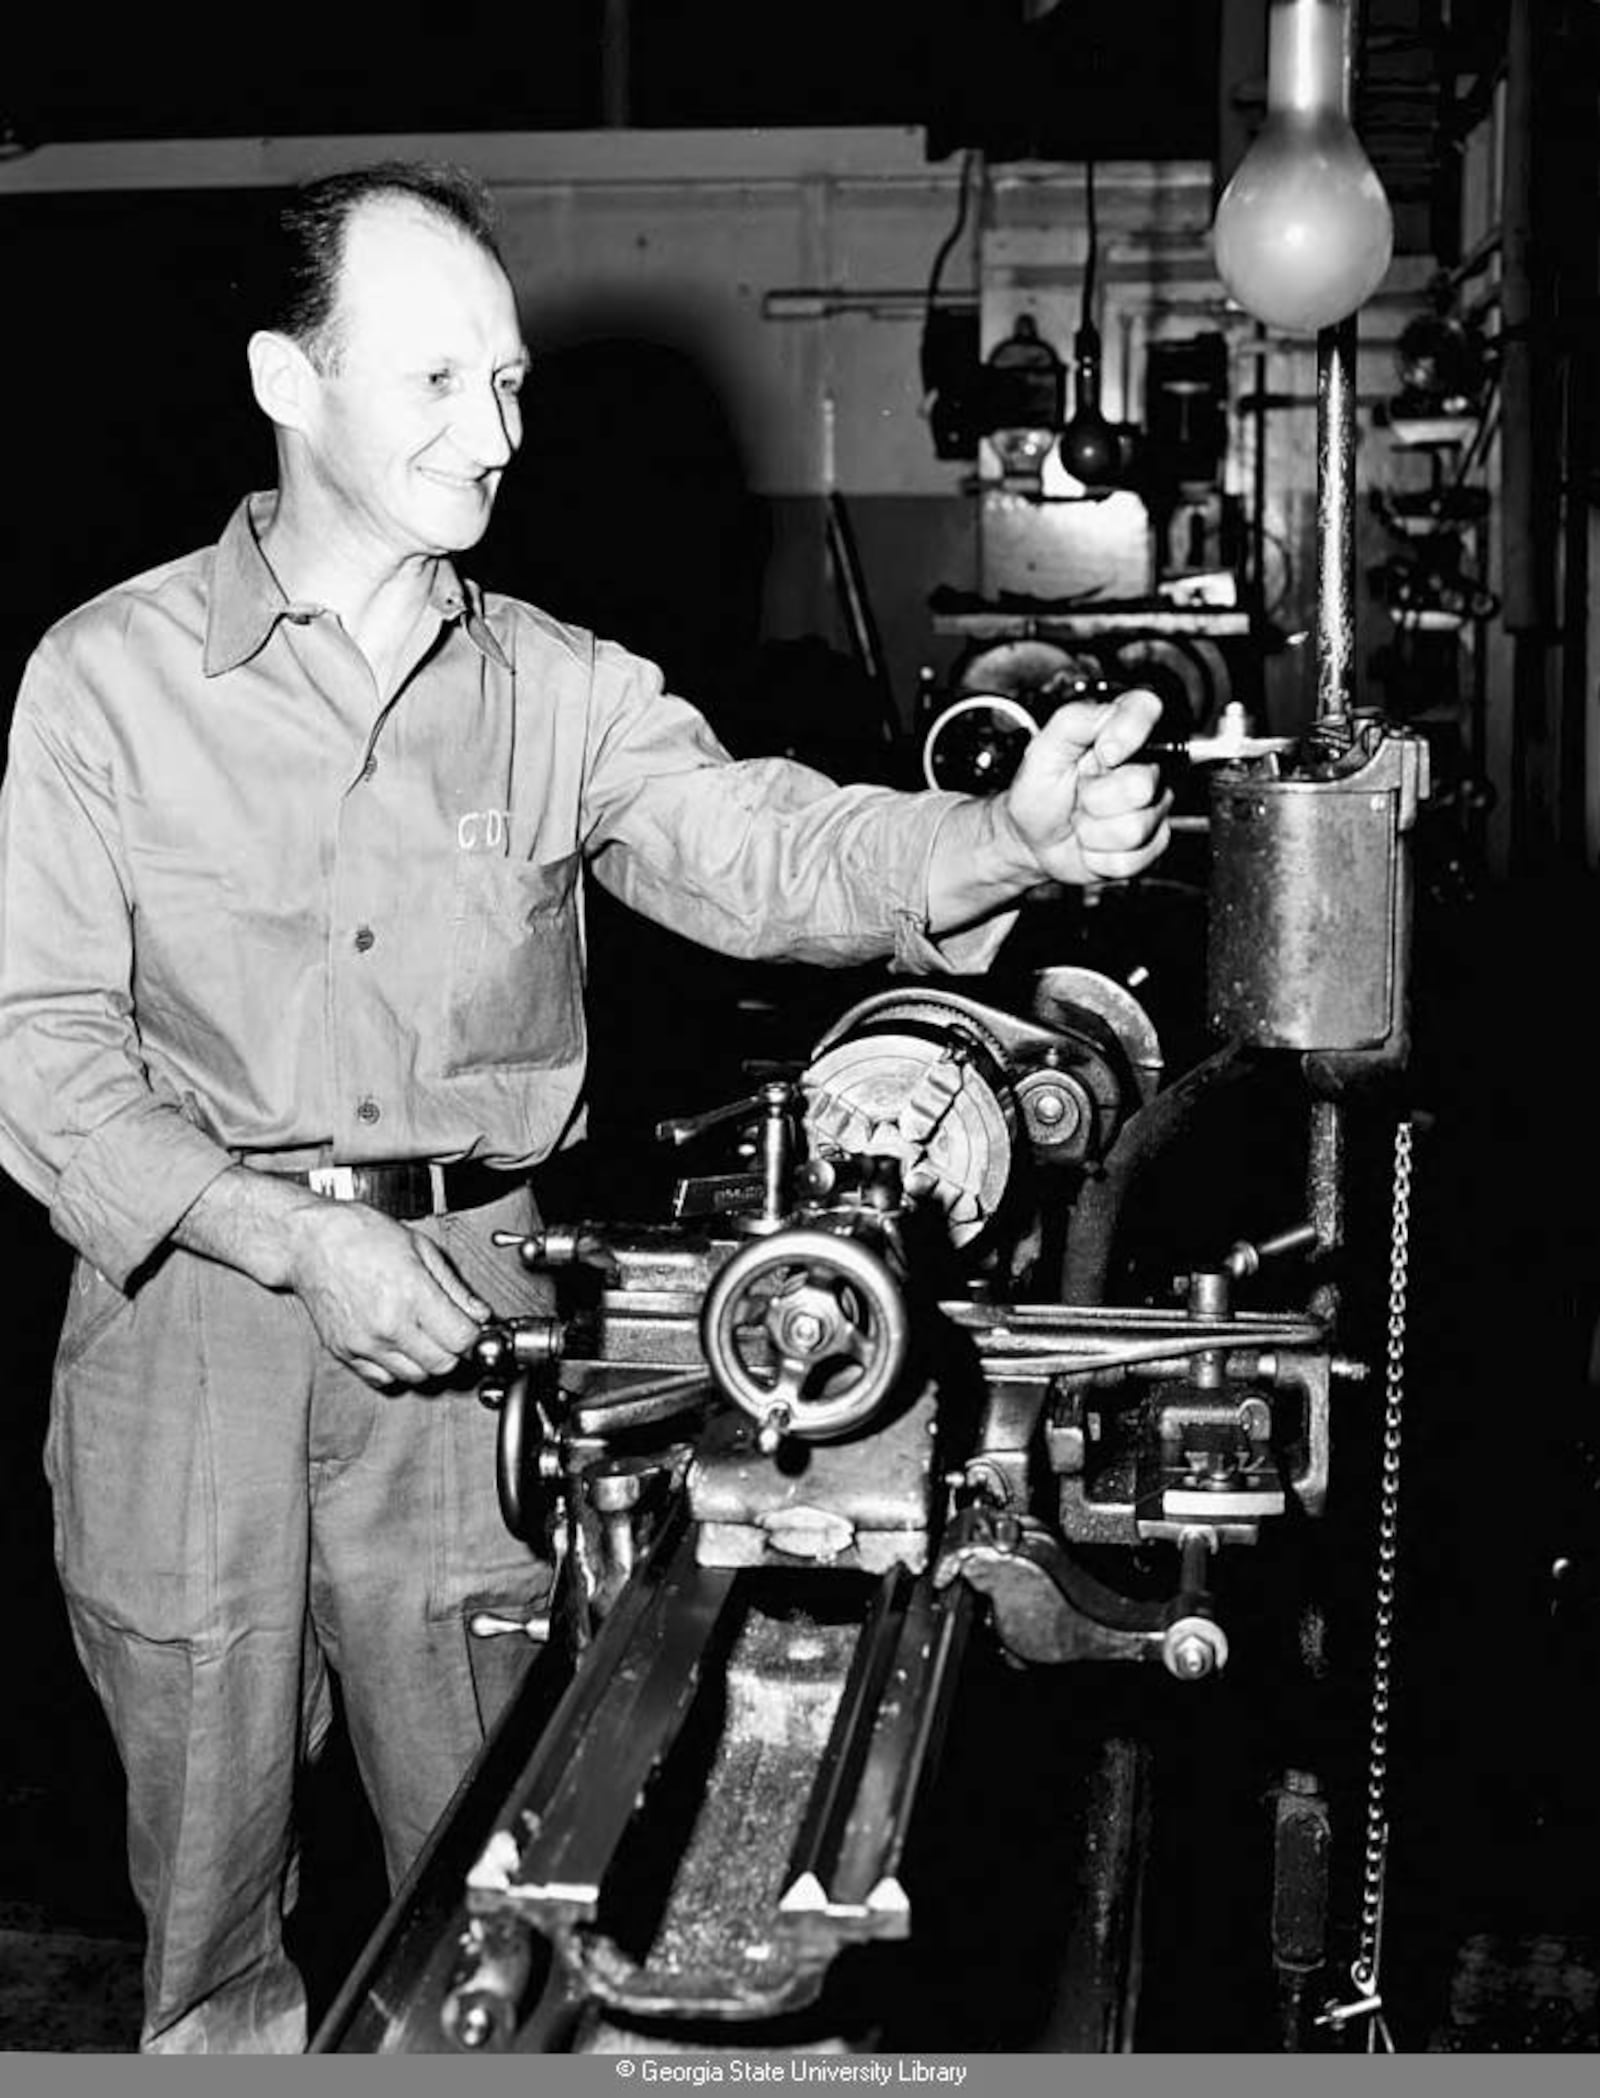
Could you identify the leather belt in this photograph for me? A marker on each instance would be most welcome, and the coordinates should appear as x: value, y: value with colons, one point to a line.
x: 411, y: 1188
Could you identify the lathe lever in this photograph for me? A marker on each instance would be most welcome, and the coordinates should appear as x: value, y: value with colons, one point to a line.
x: 488, y: 1624
x: 683, y: 1129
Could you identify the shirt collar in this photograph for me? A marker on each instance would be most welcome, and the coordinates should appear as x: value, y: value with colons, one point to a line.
x: 455, y: 597
x: 247, y: 600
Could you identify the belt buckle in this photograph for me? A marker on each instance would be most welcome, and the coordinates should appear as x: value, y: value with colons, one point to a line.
x: 338, y: 1183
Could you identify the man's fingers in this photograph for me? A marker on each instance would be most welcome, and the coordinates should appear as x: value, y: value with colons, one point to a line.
x: 440, y: 1337
x: 1114, y: 793
x: 1126, y: 727
x: 1111, y: 733
x: 411, y: 1360
x: 1126, y: 829
x: 443, y: 1271
x: 411, y: 1336
x: 444, y: 1314
x: 370, y: 1372
x: 430, y: 1339
x: 1122, y: 863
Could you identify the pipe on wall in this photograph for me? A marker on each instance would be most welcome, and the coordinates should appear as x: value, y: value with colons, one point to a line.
x: 616, y: 90
x: 1524, y: 586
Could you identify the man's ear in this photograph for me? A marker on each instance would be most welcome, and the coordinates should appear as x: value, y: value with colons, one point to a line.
x: 283, y: 379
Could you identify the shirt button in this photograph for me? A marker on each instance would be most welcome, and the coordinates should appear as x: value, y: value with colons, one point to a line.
x: 365, y: 938
x: 369, y: 1111
x: 369, y: 768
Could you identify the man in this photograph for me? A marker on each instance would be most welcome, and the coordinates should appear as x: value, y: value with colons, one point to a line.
x: 291, y: 1001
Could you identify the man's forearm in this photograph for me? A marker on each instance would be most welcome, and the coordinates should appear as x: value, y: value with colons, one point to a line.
x: 980, y: 864
x: 249, y: 1221
x: 384, y: 1299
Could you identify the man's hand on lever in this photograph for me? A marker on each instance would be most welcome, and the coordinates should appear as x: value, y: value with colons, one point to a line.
x: 1084, y: 811
x: 1078, y: 811
x: 383, y: 1298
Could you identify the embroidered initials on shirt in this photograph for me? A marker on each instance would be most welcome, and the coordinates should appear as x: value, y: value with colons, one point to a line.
x: 483, y: 830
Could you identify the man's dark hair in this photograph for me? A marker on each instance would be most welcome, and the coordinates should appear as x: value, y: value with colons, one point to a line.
x: 297, y: 293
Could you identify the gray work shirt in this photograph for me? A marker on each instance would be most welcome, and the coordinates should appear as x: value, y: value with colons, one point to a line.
x: 248, y: 904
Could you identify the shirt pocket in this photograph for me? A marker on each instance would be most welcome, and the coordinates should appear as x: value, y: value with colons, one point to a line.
x: 516, y: 974
x: 171, y: 881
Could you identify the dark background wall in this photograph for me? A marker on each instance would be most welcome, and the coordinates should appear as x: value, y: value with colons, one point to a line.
x: 1091, y: 75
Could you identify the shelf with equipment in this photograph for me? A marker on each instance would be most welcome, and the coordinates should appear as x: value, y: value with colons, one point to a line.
x: 1088, y: 624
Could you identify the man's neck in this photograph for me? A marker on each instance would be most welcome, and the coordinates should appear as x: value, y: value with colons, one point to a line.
x: 379, y: 597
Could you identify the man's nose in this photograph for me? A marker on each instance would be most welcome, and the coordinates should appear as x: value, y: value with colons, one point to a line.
x: 488, y: 426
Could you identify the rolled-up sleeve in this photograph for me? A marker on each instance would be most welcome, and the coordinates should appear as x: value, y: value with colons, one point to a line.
x: 114, y: 1158
x: 759, y: 857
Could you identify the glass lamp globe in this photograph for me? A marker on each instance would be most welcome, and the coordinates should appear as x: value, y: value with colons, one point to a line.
x: 1303, y: 234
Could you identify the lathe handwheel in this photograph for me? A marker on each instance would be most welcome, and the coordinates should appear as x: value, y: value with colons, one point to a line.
x: 517, y: 1449
x: 527, y: 1462
x: 831, y: 1318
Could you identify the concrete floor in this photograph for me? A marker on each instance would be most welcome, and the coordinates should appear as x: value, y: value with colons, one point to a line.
x: 62, y: 1993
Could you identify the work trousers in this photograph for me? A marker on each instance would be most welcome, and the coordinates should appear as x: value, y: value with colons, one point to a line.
x: 235, y: 1512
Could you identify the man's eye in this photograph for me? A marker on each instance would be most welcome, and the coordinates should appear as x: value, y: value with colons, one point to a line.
x: 438, y: 381
x: 510, y: 384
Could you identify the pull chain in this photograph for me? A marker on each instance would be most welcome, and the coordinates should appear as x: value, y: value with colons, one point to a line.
x: 1364, y: 1968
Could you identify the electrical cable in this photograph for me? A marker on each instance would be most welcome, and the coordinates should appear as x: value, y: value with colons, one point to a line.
x: 932, y: 352
x: 1091, y: 260
x: 950, y: 239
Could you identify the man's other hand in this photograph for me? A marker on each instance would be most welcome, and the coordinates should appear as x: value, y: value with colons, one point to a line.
x: 1078, y: 804
x: 383, y: 1298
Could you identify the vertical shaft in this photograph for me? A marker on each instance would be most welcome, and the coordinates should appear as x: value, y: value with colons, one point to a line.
x: 1325, y: 1176
x: 1336, y: 650
x: 1336, y: 528
x: 1336, y: 479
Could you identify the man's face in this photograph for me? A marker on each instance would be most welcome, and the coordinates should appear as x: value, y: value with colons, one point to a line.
x: 418, y: 418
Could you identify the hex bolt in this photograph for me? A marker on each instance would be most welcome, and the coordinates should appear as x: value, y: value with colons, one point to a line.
x: 1055, y: 1107
x: 1190, y: 1658
x: 1194, y: 1647
x: 802, y: 1329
